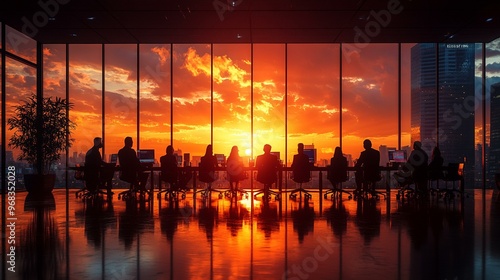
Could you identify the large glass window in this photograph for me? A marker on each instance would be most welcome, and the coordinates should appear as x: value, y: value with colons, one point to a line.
x: 120, y: 97
x: 192, y: 99
x: 370, y: 98
x: 54, y: 86
x: 232, y: 99
x: 19, y: 44
x: 269, y: 98
x: 492, y: 111
x: 85, y: 92
x: 279, y: 94
x: 313, y: 100
x: 20, y: 83
x: 155, y: 98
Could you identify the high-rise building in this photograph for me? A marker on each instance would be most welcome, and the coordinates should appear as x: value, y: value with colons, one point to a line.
x: 494, y: 150
x: 447, y: 117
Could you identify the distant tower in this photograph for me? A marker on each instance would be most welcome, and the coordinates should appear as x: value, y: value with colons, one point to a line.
x: 494, y: 153
x: 452, y: 110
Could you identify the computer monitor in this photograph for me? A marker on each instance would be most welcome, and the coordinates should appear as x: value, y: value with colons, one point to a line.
x: 277, y: 154
x: 113, y: 158
x: 221, y: 159
x: 146, y: 156
x: 397, y: 156
x: 311, y: 154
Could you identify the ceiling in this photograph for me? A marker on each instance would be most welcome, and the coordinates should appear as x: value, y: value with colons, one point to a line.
x: 257, y: 21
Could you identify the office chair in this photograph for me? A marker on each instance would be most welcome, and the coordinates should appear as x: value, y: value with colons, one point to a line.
x: 207, y: 176
x: 435, y: 175
x: 137, y: 186
x: 266, y: 192
x: 368, y: 186
x: 300, y: 176
x: 454, y: 172
x: 173, y: 189
x: 86, y: 193
x: 337, y: 175
x: 406, y: 186
x: 235, y: 179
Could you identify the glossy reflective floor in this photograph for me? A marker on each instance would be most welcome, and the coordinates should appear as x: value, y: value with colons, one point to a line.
x: 67, y: 238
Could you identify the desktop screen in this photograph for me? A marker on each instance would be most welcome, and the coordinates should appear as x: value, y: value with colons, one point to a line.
x: 113, y: 158
x: 311, y: 155
x: 146, y: 155
x: 221, y: 159
x: 397, y: 156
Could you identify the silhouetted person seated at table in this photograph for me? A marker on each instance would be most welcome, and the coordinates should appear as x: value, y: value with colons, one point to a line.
x: 208, y: 164
x: 234, y: 169
x: 338, y: 168
x: 337, y: 173
x: 301, y: 170
x: 267, y: 166
x: 367, y: 168
x: 168, y: 167
x: 435, y: 168
x: 94, y: 170
x: 419, y: 159
x: 207, y: 167
x: 301, y: 167
x: 415, y: 169
x: 131, y: 170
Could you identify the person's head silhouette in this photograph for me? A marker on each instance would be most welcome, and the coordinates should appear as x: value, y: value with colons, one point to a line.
x: 300, y: 148
x: 367, y: 144
x: 267, y: 148
x: 170, y: 150
x: 98, y: 142
x: 128, y: 142
x: 209, y: 151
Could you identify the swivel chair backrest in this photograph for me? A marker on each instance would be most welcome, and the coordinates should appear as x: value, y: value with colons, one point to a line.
x: 337, y: 173
x: 169, y: 171
x: 206, y: 171
x: 301, y: 173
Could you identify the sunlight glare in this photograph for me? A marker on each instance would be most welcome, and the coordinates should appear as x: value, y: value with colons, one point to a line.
x: 248, y: 152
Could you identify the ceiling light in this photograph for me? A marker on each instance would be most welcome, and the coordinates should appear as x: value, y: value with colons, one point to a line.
x: 73, y: 35
x: 91, y: 18
x: 489, y: 19
x: 239, y: 36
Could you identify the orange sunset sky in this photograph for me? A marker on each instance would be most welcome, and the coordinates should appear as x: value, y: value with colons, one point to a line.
x: 295, y: 97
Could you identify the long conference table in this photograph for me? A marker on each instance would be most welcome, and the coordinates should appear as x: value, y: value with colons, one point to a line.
x: 192, y: 170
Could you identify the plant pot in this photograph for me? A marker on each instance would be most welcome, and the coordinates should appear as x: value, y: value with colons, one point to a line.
x: 41, y: 201
x: 39, y: 183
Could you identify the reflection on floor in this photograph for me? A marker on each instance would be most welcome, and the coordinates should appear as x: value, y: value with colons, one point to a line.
x: 64, y: 236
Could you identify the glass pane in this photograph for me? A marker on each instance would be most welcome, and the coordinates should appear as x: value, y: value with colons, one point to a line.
x: 479, y: 112
x: 20, y: 83
x: 406, y: 98
x: 370, y: 98
x: 456, y: 106
x: 269, y: 98
x: 192, y: 100
x: 155, y: 98
x: 120, y: 103
x: 313, y: 100
x: 232, y: 100
x: 54, y: 85
x: 19, y: 44
x: 85, y: 92
x: 492, y: 111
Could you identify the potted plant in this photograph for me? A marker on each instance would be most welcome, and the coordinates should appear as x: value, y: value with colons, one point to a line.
x: 42, y: 131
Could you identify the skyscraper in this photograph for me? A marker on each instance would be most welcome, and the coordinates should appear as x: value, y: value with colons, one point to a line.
x: 494, y: 151
x: 447, y: 117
